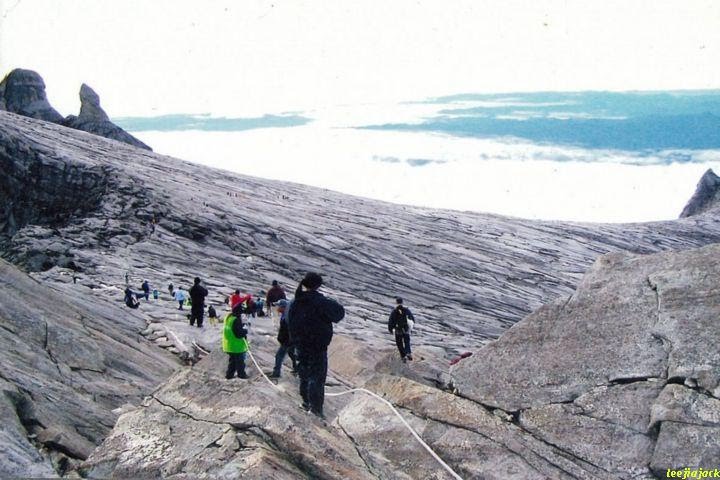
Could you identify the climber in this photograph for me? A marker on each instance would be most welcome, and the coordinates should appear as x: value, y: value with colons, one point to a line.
x: 310, y: 320
x: 180, y: 296
x: 235, y: 344
x: 197, y: 309
x: 131, y: 298
x: 275, y: 293
x: 212, y: 315
x: 146, y: 290
x: 283, y: 337
x: 401, y: 322
x: 236, y: 298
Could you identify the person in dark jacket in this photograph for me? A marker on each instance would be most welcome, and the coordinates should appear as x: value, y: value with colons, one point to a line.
x: 234, y: 343
x: 146, y: 290
x: 310, y: 323
x: 283, y: 338
x: 197, y: 296
x: 275, y: 294
x: 398, y: 324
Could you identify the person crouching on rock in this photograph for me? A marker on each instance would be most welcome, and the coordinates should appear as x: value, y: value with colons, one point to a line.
x: 310, y: 320
x: 197, y: 309
x: 212, y: 315
x: 399, y: 323
x: 235, y: 344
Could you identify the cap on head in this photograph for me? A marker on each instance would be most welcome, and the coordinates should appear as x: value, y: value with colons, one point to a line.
x: 197, y: 280
x: 274, y: 283
x: 237, y: 291
x: 398, y: 300
x: 312, y: 281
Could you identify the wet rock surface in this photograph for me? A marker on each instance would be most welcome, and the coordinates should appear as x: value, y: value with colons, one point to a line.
x: 585, y: 387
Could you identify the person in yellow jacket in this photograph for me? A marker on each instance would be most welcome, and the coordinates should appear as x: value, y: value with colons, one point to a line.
x: 234, y: 343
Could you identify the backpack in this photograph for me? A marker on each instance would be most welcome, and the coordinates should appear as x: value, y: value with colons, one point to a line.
x: 132, y: 301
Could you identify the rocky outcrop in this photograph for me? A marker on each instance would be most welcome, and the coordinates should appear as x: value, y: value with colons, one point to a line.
x: 93, y: 119
x: 625, y: 374
x: 621, y: 381
x: 69, y: 359
x: 23, y: 92
x: 706, y: 196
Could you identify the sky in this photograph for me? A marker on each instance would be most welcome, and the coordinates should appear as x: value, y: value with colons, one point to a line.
x: 253, y: 57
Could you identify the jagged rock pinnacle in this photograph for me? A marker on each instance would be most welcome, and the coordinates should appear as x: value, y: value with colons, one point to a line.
x: 23, y: 92
x: 706, y: 196
x: 90, y: 109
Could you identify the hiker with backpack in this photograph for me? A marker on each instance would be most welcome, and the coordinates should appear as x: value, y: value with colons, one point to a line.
x: 180, y: 297
x: 400, y: 323
x: 146, y: 290
x: 234, y: 343
x: 283, y: 338
x: 197, y: 308
x: 275, y: 294
x: 131, y: 298
x: 310, y: 324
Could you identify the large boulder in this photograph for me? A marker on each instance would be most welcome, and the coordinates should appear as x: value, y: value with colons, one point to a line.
x: 623, y: 374
x: 23, y: 92
x: 93, y: 119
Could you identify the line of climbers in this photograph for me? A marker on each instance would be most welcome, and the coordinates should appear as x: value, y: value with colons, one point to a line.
x: 304, y: 333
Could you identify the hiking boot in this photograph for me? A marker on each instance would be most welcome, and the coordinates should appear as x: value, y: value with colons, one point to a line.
x: 243, y: 375
x: 408, y: 356
x: 404, y: 359
x: 318, y: 413
x: 274, y: 375
x: 305, y: 406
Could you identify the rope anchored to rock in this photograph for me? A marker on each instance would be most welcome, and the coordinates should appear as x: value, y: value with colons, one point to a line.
x: 378, y: 397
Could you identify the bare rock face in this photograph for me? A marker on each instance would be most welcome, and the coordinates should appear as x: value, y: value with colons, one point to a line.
x: 69, y: 359
x: 624, y: 374
x: 23, y: 92
x: 93, y: 119
x: 706, y: 196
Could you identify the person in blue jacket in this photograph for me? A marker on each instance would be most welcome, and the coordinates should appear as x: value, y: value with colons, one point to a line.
x: 310, y: 324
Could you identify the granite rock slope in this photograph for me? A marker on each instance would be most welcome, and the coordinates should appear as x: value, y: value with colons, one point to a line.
x: 621, y: 381
x: 75, y: 202
x: 69, y: 359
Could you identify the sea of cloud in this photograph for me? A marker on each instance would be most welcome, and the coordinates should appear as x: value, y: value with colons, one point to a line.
x: 502, y: 176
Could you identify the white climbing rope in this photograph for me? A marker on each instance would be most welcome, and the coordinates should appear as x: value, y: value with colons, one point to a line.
x: 374, y: 395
